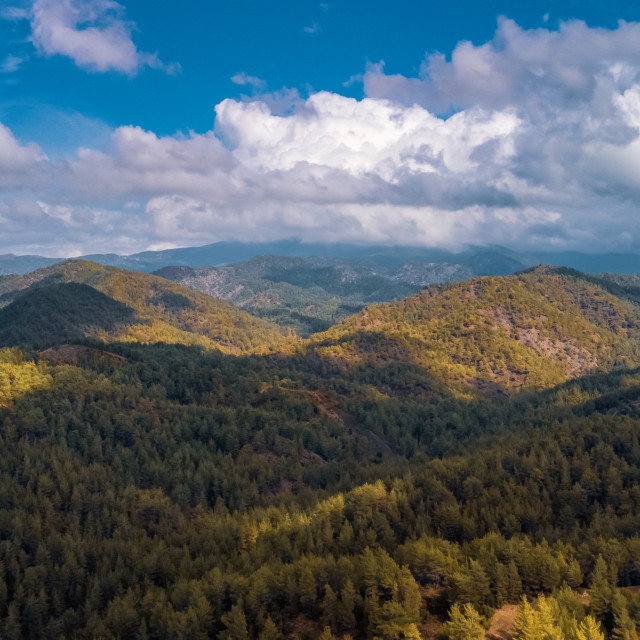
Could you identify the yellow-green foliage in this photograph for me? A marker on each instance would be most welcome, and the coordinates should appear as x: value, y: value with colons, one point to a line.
x: 551, y: 619
x: 158, y: 331
x: 172, y: 313
x: 528, y: 331
x: 18, y: 377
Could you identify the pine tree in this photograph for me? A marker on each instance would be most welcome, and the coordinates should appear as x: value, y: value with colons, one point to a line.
x: 602, y: 591
x: 526, y: 624
x: 348, y: 598
x: 589, y: 629
x: 547, y: 623
x: 327, y: 635
x: 330, y: 607
x: 463, y: 624
x: 235, y: 623
x: 269, y: 630
x: 307, y: 588
x: 624, y: 627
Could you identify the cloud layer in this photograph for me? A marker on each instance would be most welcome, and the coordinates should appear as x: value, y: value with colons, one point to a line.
x: 530, y: 140
x: 92, y: 33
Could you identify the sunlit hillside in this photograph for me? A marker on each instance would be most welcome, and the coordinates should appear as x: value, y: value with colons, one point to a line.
x: 497, y: 335
x: 144, y: 308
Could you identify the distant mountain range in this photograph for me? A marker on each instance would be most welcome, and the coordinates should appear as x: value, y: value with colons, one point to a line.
x: 479, y: 261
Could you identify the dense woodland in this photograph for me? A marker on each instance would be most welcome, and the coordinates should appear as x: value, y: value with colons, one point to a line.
x: 424, y: 462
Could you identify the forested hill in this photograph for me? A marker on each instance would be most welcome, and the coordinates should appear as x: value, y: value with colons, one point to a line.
x: 158, y: 311
x: 532, y: 330
x: 365, y: 484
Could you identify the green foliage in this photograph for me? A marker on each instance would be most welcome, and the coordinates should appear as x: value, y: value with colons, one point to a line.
x: 463, y: 624
x: 60, y: 313
x: 589, y: 630
x: 306, y: 294
x: 494, y: 335
x: 165, y: 491
x: 76, y: 298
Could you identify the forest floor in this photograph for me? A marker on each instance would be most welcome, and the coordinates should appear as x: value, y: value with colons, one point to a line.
x: 502, y: 623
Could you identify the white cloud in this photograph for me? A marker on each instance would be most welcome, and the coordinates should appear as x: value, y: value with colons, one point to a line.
x: 564, y: 68
x: 21, y: 166
x: 542, y: 150
x: 243, y: 79
x: 11, y: 64
x: 312, y: 28
x: 92, y: 33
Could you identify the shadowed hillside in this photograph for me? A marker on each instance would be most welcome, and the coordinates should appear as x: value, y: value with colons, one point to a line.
x: 59, y: 313
x: 164, y: 311
x: 367, y: 483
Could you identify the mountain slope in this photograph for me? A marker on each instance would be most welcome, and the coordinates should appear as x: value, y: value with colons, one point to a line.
x: 534, y: 330
x: 310, y: 294
x: 59, y: 313
x: 162, y: 310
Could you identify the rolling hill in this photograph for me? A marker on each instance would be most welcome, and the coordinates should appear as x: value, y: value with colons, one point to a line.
x: 157, y: 310
x: 499, y: 335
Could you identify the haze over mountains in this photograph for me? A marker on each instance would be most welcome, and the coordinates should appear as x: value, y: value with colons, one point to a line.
x: 490, y: 260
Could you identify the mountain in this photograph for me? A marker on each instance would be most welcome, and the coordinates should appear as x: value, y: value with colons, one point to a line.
x: 310, y: 294
x: 589, y: 263
x: 114, y: 304
x: 491, y: 260
x: 498, y: 335
x: 489, y: 335
x: 10, y: 263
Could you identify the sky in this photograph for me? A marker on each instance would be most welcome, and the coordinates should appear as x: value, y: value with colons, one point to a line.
x: 149, y: 125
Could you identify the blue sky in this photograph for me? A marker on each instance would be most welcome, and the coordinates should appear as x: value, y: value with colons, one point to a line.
x: 387, y: 122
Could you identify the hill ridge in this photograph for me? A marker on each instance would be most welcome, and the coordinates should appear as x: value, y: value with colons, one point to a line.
x: 164, y: 310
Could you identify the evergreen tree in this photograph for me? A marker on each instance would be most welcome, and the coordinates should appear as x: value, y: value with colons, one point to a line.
x: 602, y: 590
x: 624, y: 628
x: 331, y: 613
x: 327, y: 635
x: 235, y: 623
x: 348, y: 599
x: 463, y: 624
x: 589, y: 629
x: 269, y: 630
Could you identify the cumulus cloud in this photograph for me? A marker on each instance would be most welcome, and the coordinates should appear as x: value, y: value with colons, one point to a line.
x: 531, y: 140
x: 568, y: 68
x: 21, y: 166
x: 92, y: 33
